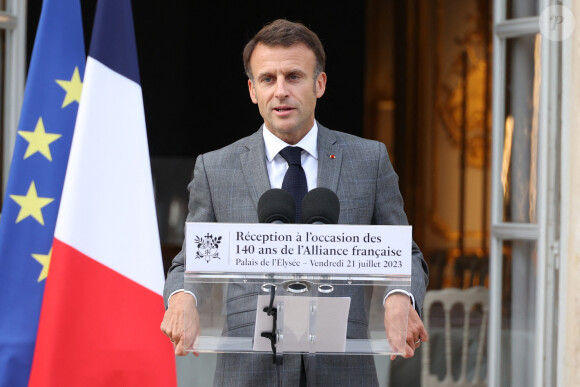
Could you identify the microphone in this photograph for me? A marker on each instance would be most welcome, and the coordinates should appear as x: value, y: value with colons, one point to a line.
x: 276, y: 206
x: 320, y: 206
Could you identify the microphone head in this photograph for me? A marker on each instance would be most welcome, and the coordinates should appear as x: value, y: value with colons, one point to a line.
x: 320, y: 205
x: 276, y: 206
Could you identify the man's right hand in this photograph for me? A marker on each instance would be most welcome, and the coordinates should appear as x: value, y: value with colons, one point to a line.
x: 181, y: 323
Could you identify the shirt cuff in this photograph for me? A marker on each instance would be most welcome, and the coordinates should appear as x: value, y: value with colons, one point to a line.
x: 188, y: 292
x: 399, y: 291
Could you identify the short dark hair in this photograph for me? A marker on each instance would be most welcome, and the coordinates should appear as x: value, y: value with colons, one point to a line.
x: 285, y: 33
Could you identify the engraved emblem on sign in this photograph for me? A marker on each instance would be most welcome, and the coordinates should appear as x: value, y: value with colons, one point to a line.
x: 207, y: 247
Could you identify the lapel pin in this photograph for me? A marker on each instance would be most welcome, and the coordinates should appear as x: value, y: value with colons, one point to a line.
x: 332, y: 156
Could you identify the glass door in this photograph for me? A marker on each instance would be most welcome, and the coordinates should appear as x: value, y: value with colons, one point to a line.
x: 524, y: 200
x: 12, y: 75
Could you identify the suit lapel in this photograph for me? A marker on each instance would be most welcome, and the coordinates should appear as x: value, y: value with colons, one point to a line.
x: 329, y: 159
x: 254, y: 167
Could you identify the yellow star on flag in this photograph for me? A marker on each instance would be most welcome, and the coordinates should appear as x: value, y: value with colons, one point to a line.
x: 73, y: 88
x: 44, y: 260
x: 31, y: 204
x: 39, y: 140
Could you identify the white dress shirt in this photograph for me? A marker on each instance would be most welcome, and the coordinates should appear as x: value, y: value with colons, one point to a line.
x: 276, y: 164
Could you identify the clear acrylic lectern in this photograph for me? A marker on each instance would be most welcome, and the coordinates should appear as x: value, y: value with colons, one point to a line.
x: 296, y: 289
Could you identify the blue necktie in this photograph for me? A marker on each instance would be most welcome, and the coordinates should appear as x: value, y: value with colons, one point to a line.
x: 295, y: 178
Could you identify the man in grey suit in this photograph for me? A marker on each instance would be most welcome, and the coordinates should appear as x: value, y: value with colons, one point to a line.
x: 285, y: 66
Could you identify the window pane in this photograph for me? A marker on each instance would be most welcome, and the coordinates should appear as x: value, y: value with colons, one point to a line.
x: 2, y: 70
x: 170, y: 178
x: 518, y: 313
x: 519, y: 165
x: 522, y: 8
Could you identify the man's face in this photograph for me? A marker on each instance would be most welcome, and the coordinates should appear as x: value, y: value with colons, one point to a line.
x: 285, y: 90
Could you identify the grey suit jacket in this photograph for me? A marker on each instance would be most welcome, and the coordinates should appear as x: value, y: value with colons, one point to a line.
x: 226, y: 187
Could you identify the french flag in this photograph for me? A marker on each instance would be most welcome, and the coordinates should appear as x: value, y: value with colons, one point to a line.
x: 102, y: 308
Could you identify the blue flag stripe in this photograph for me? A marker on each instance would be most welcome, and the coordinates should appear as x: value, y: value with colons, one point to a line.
x: 113, y: 40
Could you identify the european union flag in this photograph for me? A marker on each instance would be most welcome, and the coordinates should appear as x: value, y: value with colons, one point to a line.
x: 35, y: 183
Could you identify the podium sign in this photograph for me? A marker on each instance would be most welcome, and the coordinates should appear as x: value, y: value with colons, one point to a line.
x: 291, y: 288
x: 383, y: 251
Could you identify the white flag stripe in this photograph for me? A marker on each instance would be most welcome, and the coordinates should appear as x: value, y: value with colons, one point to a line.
x: 109, y: 159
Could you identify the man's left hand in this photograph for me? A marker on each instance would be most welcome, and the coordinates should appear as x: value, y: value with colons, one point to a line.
x: 398, y: 308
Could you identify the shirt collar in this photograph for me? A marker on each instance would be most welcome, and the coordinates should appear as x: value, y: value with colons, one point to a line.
x: 274, y: 144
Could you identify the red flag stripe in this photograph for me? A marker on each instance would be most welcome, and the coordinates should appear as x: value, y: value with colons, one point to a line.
x: 106, y: 320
